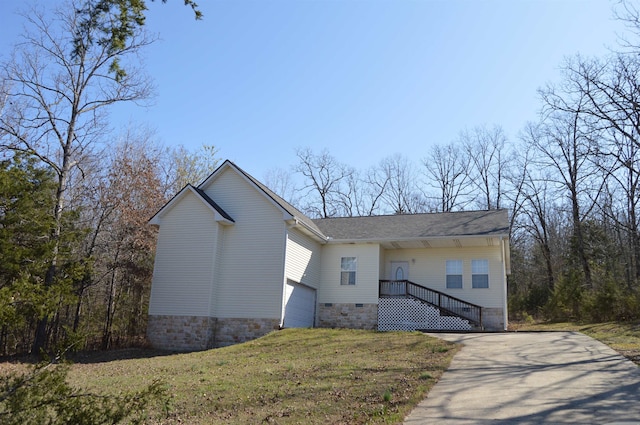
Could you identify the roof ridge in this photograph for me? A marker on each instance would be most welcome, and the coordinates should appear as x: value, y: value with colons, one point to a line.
x: 496, y: 210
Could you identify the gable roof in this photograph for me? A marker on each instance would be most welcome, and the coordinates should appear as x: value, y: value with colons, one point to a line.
x: 212, y: 203
x: 220, y: 214
x: 280, y: 202
x: 416, y: 226
x: 400, y: 227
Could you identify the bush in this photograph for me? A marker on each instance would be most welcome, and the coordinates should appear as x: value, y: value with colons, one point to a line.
x: 602, y: 304
x: 566, y: 299
x: 630, y: 306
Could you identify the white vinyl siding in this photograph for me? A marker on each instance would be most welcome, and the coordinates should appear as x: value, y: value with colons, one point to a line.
x: 479, y: 273
x: 251, y: 276
x: 454, y: 270
x: 303, y: 259
x: 302, y: 264
x: 429, y: 269
x: 183, y: 271
x: 366, y: 289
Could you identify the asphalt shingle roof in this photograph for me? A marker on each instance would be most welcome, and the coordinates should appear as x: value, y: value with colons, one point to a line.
x: 392, y: 227
x: 415, y: 226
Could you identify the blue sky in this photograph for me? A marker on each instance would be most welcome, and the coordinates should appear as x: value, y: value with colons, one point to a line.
x: 364, y: 79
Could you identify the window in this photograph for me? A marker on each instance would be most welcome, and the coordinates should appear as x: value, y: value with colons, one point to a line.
x: 348, y: 271
x: 399, y: 273
x: 454, y: 273
x: 479, y: 273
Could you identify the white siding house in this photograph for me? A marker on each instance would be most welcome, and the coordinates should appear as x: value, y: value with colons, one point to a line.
x: 253, y: 252
x: 303, y: 259
x: 183, y: 246
x: 235, y: 261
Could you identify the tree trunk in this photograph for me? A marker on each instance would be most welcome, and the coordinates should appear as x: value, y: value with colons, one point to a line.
x: 40, y: 338
x: 579, y: 246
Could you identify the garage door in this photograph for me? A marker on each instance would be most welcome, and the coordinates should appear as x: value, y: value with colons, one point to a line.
x: 300, y: 306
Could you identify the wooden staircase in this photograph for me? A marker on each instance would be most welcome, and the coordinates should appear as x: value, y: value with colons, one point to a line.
x: 446, y: 305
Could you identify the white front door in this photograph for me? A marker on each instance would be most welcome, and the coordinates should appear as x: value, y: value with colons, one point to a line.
x: 399, y: 270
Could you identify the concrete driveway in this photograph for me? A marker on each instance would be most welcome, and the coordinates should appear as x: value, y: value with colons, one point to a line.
x: 533, y: 378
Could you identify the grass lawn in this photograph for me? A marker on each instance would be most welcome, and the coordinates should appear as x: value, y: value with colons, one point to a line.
x: 294, y: 376
x: 622, y: 337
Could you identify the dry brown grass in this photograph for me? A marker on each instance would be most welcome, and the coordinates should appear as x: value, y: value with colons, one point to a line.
x: 295, y: 376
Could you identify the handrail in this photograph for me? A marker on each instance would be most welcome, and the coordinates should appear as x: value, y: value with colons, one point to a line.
x: 444, y: 302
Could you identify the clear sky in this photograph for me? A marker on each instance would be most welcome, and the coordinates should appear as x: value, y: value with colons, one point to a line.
x: 362, y: 78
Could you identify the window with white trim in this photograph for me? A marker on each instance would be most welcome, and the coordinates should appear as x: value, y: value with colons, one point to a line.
x: 454, y: 274
x: 348, y: 268
x: 479, y: 273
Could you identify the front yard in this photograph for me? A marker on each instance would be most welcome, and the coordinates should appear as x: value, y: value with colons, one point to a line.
x: 298, y: 376
x: 294, y: 376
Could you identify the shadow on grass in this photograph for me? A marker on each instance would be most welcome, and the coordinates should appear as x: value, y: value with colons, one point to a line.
x: 94, y: 357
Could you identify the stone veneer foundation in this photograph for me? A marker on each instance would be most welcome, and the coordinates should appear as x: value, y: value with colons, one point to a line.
x: 493, y: 319
x: 347, y: 315
x: 234, y: 331
x: 191, y: 333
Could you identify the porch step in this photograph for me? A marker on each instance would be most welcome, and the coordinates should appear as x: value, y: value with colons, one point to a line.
x: 448, y: 305
x: 408, y: 314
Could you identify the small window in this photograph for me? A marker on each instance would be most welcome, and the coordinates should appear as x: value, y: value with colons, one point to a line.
x: 454, y: 274
x: 348, y: 271
x: 479, y: 273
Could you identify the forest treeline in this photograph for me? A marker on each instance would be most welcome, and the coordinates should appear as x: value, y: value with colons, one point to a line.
x: 76, y: 250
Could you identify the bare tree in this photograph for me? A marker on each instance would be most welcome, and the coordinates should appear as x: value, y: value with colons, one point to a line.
x: 376, y: 181
x: 325, y: 182
x: 282, y: 182
x: 485, y: 149
x: 567, y: 145
x: 57, y: 93
x: 612, y: 92
x: 447, y: 171
x: 400, y: 194
x: 628, y: 13
x: 537, y: 197
x: 190, y: 166
x: 352, y: 203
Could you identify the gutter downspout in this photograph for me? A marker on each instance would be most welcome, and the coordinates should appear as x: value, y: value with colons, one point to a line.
x: 505, y: 311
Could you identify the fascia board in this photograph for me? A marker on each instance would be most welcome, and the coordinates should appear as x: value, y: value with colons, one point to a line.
x: 295, y: 222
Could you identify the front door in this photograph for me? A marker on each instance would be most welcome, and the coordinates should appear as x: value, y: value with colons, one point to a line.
x: 399, y: 270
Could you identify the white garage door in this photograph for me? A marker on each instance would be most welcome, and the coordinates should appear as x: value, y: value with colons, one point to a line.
x: 300, y: 306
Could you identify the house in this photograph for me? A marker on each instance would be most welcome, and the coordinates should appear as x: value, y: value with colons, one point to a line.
x: 235, y: 261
